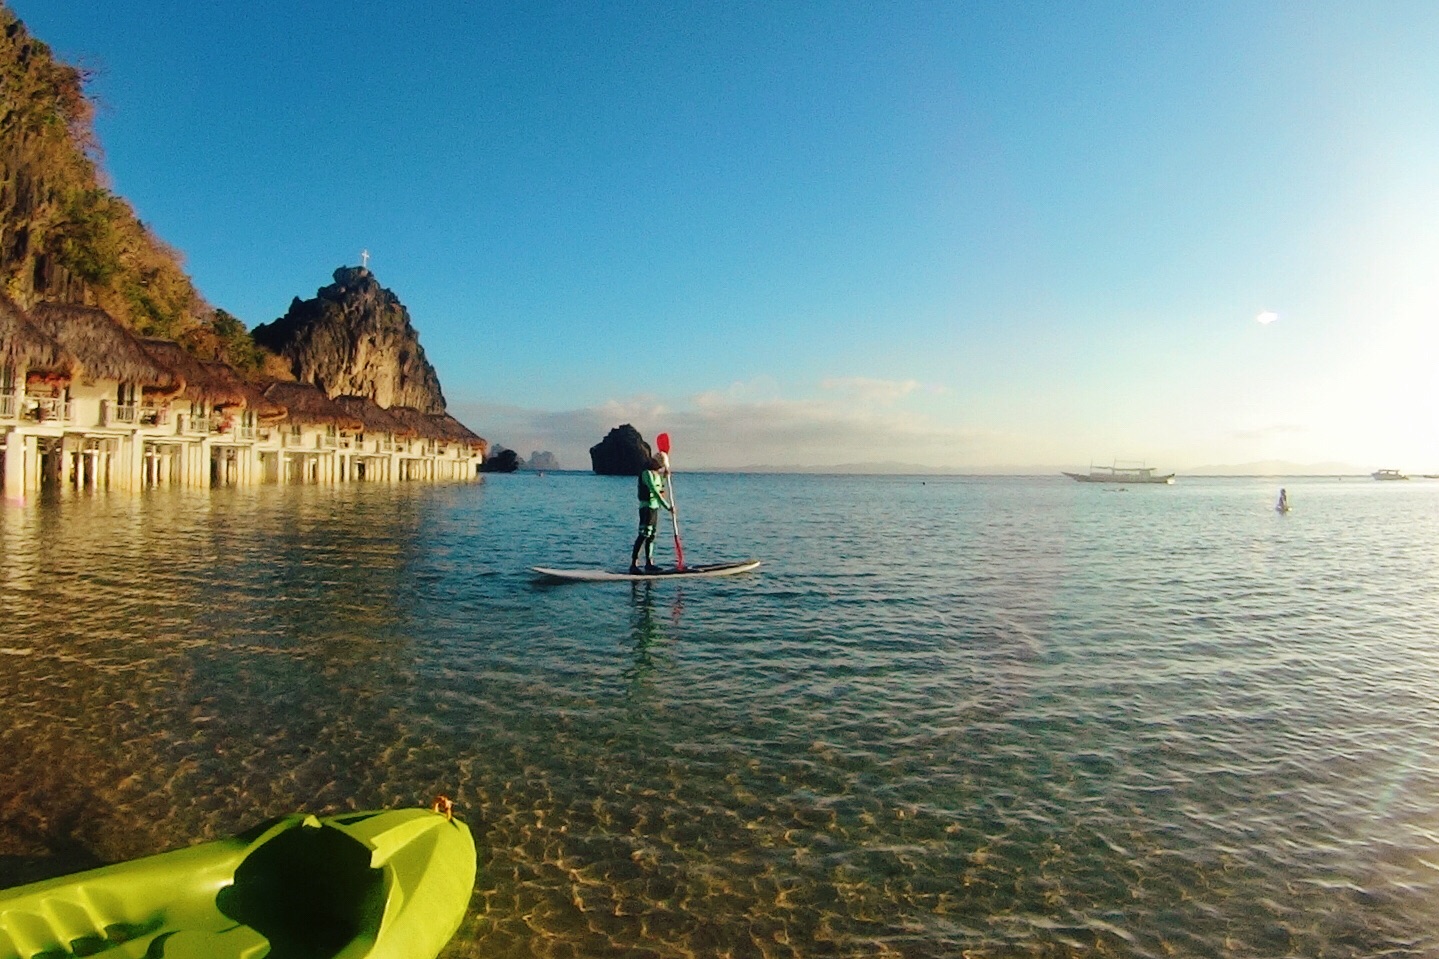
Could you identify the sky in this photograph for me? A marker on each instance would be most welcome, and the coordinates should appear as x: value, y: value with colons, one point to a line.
x: 968, y: 236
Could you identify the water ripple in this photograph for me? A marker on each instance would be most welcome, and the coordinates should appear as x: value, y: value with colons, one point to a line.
x: 979, y: 717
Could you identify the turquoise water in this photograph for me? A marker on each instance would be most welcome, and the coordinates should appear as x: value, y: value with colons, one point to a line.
x: 984, y: 717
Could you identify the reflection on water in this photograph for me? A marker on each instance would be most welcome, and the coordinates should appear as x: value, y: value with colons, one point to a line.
x: 1045, y: 721
x: 648, y: 631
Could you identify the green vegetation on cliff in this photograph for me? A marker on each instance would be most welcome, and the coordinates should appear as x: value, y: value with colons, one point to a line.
x: 66, y: 237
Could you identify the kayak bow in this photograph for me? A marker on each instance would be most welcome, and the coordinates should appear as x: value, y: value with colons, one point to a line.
x: 363, y: 885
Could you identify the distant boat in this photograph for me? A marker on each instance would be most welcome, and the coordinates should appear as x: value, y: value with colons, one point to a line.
x: 1388, y: 475
x: 1121, y: 474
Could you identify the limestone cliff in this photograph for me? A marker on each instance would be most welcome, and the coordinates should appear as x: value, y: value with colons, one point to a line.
x: 355, y: 338
x: 623, y: 452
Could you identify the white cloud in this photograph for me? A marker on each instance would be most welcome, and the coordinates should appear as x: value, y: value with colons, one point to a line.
x: 1267, y: 317
x: 869, y: 389
x: 747, y: 425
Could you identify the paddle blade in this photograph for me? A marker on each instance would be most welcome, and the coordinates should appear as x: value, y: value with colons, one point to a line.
x: 662, y: 442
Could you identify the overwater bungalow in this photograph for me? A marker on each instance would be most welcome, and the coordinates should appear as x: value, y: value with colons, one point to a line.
x: 97, y: 437
x: 433, y: 453
x: 202, y: 448
x: 460, y: 448
x: 249, y: 432
x: 308, y: 441
x: 35, y: 372
x: 376, y: 451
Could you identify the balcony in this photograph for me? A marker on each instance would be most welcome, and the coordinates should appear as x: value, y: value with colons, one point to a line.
x: 135, y: 415
x: 8, y: 406
x: 47, y: 409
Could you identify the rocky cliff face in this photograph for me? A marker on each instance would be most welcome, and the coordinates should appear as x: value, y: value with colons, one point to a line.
x: 355, y: 338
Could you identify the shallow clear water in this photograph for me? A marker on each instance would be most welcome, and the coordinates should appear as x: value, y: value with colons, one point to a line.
x: 1008, y: 716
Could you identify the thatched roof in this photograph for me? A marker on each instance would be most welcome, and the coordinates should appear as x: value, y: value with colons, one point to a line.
x: 376, y: 418
x: 265, y: 410
x: 104, y: 349
x: 420, y: 424
x: 457, y: 432
x: 306, y: 404
x: 22, y: 344
x: 201, y: 383
x: 438, y: 426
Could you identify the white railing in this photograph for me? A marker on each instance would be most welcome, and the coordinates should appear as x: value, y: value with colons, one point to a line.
x: 137, y: 415
x: 44, y: 408
x: 199, y: 424
x: 245, y: 432
x: 329, y: 441
x: 8, y: 406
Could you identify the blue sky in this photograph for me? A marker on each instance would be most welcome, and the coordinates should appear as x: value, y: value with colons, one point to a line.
x: 964, y: 235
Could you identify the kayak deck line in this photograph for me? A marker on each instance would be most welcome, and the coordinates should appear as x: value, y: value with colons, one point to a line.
x: 393, y: 883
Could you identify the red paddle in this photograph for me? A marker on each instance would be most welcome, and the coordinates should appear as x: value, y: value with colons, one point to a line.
x: 662, y: 443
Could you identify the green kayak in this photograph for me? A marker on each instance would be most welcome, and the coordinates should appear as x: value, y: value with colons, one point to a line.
x: 382, y: 885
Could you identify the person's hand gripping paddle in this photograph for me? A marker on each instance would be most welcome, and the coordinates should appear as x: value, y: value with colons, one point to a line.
x: 662, y: 443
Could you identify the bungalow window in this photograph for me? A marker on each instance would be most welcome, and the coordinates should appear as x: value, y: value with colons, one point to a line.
x: 127, y: 402
x: 7, y: 379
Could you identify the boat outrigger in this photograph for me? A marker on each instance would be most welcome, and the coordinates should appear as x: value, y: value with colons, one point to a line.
x: 1121, y: 474
x: 360, y: 885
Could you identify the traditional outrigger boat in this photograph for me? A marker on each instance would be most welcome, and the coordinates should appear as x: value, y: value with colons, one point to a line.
x: 1121, y: 474
x: 363, y: 885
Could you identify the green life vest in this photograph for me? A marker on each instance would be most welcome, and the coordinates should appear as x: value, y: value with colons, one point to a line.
x: 651, y: 489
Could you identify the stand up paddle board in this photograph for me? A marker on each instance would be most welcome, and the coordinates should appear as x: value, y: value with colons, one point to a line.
x: 689, y: 572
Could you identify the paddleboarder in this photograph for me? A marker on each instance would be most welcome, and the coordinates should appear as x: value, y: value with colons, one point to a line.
x: 652, y: 499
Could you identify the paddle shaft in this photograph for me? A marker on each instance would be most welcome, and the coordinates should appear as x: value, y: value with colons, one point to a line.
x: 675, y: 520
x: 662, y: 443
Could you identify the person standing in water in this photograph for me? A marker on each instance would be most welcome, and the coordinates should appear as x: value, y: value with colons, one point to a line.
x: 652, y: 499
x: 1283, y: 504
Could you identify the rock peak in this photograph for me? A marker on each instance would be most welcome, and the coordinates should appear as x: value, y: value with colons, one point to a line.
x: 355, y: 338
x: 348, y: 278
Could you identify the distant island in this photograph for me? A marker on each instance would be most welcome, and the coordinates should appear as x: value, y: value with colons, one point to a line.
x: 623, y: 452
